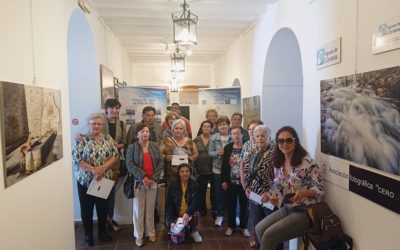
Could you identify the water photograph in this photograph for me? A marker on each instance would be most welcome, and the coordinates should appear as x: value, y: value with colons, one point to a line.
x: 360, y: 118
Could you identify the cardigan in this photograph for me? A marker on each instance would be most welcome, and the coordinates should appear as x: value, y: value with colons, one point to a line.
x: 134, y: 160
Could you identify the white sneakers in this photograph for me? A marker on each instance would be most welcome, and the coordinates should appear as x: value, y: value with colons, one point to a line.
x: 229, y: 231
x: 196, y: 237
x: 139, y: 242
x: 218, y: 221
x: 246, y: 233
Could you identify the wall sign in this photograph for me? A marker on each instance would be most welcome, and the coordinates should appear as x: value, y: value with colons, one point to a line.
x: 386, y: 36
x: 329, y: 54
x: 380, y: 189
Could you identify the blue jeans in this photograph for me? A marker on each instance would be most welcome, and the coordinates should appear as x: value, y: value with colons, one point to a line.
x: 219, y: 196
x: 282, y: 225
x: 258, y: 214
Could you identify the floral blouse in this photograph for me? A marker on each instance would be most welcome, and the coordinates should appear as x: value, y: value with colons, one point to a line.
x: 248, y: 148
x: 96, y: 154
x: 306, y: 176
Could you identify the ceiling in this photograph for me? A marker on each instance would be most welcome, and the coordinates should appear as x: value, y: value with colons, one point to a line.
x: 144, y: 27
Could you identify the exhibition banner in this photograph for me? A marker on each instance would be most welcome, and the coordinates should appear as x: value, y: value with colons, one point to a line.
x: 386, y: 36
x: 225, y: 100
x: 380, y: 189
x: 134, y: 99
x: 329, y: 54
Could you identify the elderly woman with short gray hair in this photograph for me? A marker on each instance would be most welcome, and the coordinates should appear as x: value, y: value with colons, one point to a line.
x: 258, y: 175
x: 93, y: 157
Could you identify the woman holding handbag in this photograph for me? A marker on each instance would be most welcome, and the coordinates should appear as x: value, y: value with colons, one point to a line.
x: 298, y: 179
x: 145, y: 164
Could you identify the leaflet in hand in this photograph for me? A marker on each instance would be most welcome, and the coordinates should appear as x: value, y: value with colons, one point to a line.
x: 257, y: 199
x: 179, y: 159
x: 101, y: 188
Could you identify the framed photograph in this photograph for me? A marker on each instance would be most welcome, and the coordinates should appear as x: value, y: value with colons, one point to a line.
x: 32, y: 133
x: 106, y: 84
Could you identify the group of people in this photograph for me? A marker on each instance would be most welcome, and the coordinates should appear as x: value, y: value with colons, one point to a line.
x: 246, y: 170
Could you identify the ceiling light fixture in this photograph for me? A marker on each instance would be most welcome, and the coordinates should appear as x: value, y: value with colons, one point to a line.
x: 188, y: 51
x: 184, y: 22
x: 174, y: 84
x: 177, y: 61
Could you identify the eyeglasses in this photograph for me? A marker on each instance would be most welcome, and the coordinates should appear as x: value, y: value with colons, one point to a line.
x: 281, y: 141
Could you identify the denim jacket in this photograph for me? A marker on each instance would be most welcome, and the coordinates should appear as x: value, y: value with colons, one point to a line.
x: 215, y: 145
x: 134, y: 160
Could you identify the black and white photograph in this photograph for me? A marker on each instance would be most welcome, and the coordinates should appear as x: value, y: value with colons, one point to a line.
x: 360, y: 118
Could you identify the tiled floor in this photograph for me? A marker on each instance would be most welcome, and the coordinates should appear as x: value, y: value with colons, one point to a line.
x: 213, y: 239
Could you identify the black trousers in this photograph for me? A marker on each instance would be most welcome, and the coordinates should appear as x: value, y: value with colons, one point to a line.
x: 203, y: 184
x: 234, y: 193
x: 87, y: 203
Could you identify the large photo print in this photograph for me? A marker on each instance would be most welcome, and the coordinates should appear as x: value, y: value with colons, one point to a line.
x: 32, y: 134
x: 360, y: 118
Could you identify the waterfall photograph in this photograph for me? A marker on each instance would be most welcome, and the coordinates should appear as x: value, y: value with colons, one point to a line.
x: 360, y: 118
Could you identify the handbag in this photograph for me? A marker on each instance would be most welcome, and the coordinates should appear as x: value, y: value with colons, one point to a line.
x: 129, y: 187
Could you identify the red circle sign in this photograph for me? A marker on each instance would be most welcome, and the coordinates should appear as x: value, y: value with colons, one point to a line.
x: 75, y: 121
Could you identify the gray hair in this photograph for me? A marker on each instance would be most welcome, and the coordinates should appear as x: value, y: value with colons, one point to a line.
x: 96, y: 116
x: 179, y: 121
x: 263, y: 128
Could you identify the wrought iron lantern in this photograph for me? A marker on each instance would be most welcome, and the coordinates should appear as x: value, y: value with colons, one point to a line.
x: 177, y: 61
x: 185, y: 31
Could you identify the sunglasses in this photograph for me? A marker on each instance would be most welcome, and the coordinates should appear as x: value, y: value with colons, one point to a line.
x: 281, y: 141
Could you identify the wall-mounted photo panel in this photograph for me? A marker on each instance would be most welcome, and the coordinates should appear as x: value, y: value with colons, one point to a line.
x: 106, y: 84
x: 360, y: 118
x: 31, y: 129
x: 251, y: 109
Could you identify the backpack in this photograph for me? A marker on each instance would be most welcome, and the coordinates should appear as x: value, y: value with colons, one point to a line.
x: 325, y: 226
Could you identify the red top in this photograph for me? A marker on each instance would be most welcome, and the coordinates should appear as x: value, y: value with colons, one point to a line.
x: 148, y: 165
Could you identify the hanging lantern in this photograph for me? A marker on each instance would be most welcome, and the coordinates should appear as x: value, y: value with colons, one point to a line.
x: 185, y: 31
x: 177, y: 61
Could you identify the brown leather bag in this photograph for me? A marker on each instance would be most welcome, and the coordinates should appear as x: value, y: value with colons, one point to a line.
x: 325, y: 225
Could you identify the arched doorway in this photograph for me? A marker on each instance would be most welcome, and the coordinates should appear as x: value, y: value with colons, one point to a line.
x: 282, y: 94
x: 84, y: 80
x: 236, y: 83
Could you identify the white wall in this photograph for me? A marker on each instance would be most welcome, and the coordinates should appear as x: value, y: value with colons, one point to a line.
x: 37, y: 212
x: 316, y: 22
x: 235, y: 63
x: 158, y: 74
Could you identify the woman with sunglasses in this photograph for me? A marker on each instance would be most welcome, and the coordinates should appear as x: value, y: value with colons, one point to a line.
x: 298, y: 179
